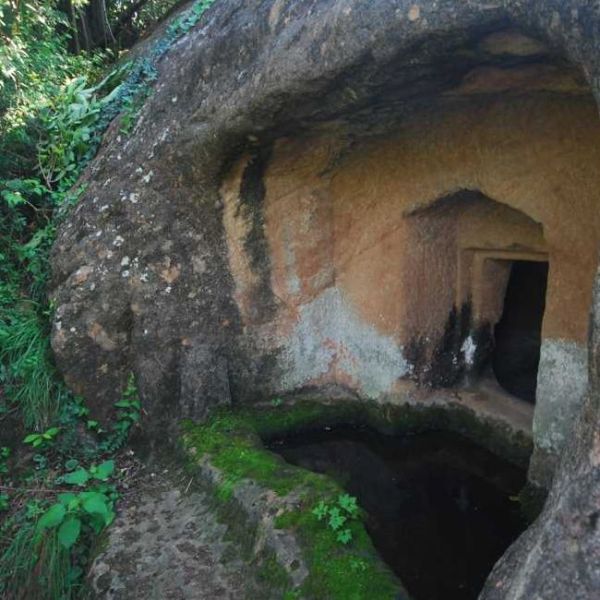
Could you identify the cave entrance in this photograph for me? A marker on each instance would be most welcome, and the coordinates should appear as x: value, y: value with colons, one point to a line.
x: 518, y: 333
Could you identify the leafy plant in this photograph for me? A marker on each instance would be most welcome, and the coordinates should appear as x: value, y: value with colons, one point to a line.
x: 136, y: 96
x: 129, y: 403
x: 51, y: 121
x: 348, y: 504
x: 74, y: 512
x: 40, y: 439
x: 128, y: 415
x: 40, y: 461
x: 4, y: 454
x: 70, y: 128
x: 81, y: 476
x: 336, y: 515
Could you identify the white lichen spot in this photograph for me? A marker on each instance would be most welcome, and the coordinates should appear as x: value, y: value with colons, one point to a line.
x: 168, y: 289
x: 134, y: 198
x: 198, y: 265
x: 118, y: 241
x: 144, y: 277
x: 293, y: 281
x: 125, y: 273
x: 174, y: 99
x: 104, y: 208
x: 468, y: 349
x: 125, y: 261
x: 146, y: 178
x: 73, y: 330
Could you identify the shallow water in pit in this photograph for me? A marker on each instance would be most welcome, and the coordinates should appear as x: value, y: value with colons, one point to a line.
x: 438, y: 506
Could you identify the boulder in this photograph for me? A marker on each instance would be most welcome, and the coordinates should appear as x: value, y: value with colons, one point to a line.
x: 141, y: 273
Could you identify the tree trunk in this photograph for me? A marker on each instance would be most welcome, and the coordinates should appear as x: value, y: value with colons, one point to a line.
x: 98, y: 27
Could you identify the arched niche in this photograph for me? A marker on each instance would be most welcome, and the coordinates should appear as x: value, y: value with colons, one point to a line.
x: 462, y: 249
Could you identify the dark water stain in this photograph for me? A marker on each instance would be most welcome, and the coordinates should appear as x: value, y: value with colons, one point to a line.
x: 447, y: 367
x: 252, y: 196
x: 438, y: 506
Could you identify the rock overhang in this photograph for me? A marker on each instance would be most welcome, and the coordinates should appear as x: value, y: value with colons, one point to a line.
x: 361, y: 69
x: 169, y: 314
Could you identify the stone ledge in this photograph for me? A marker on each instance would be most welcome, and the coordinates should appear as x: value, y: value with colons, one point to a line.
x: 272, y: 500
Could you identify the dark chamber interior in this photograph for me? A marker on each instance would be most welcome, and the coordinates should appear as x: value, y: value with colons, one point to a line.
x: 438, y: 506
x: 517, y: 335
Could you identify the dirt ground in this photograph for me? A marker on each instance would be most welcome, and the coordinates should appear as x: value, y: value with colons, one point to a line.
x: 167, y: 544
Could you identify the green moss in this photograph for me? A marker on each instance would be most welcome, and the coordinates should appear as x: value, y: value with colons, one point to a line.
x: 232, y: 440
x: 336, y: 571
x: 236, y: 450
x: 271, y: 573
x: 224, y: 490
x: 289, y: 417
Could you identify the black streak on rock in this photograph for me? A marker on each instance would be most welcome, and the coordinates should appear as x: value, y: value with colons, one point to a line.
x: 252, y: 195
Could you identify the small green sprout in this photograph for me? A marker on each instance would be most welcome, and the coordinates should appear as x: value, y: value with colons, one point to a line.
x: 39, y: 439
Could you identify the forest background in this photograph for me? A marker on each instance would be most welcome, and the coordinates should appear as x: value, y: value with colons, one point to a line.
x: 65, y: 74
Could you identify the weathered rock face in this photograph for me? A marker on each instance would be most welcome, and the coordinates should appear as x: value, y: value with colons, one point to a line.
x: 327, y: 193
x: 380, y: 265
x: 558, y: 556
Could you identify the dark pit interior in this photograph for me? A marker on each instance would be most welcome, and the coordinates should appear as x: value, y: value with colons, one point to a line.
x: 439, y: 508
x: 517, y: 335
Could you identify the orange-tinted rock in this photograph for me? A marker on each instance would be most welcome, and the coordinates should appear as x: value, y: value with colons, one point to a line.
x: 409, y: 227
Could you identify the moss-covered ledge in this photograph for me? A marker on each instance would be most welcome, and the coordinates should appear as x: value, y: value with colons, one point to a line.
x: 274, y: 499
